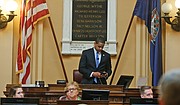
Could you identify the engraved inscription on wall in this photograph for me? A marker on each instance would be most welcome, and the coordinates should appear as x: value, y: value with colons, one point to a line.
x: 84, y: 21
x: 89, y: 20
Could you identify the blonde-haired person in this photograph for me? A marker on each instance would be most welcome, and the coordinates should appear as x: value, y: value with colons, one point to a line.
x: 16, y: 92
x: 71, y: 92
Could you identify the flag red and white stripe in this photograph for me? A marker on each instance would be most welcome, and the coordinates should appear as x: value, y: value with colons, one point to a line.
x: 31, y: 12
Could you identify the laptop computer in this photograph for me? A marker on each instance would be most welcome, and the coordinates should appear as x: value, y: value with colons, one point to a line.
x: 95, y: 94
x: 143, y: 101
x: 125, y: 80
x: 19, y: 101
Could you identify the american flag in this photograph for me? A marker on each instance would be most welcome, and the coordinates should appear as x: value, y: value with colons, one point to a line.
x: 31, y: 12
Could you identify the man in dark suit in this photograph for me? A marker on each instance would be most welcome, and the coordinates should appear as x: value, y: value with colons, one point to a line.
x: 95, y: 64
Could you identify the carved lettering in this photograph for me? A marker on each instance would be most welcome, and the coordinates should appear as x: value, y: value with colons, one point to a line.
x: 89, y: 20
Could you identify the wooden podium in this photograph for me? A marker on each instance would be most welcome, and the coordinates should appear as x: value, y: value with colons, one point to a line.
x: 83, y: 102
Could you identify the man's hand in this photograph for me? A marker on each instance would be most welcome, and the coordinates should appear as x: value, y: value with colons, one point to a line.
x: 97, y: 74
x: 104, y: 74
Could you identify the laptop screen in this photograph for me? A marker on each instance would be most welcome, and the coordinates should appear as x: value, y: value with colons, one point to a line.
x: 125, y: 80
x: 19, y: 101
x: 93, y: 94
x: 143, y: 101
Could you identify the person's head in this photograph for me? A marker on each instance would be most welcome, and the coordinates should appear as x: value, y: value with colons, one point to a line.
x: 16, y: 92
x: 99, y: 44
x: 146, y: 92
x: 169, y: 88
x: 72, y: 90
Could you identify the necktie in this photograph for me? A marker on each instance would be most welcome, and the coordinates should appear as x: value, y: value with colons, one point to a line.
x: 97, y: 63
x: 97, y: 60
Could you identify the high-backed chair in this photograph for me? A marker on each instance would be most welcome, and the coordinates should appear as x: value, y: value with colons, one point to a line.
x: 77, y: 76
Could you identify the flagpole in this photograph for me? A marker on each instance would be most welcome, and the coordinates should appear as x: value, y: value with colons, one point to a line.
x: 121, y: 50
x: 59, y: 53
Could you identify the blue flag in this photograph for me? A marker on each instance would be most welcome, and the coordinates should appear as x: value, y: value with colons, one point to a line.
x: 149, y: 11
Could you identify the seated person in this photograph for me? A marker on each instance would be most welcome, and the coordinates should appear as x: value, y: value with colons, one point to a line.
x: 16, y: 92
x: 146, y: 92
x: 71, y: 91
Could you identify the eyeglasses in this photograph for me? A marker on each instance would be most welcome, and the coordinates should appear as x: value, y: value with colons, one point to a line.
x: 150, y: 94
x: 71, y: 89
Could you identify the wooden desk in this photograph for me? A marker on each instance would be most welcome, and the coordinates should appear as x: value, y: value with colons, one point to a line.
x: 50, y: 94
x: 86, y: 102
x: 115, y: 96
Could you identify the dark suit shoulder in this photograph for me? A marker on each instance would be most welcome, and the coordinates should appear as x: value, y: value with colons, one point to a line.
x: 106, y: 53
x: 88, y: 50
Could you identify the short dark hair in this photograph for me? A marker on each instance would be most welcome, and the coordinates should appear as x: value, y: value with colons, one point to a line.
x: 13, y: 90
x: 100, y: 39
x: 143, y: 88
